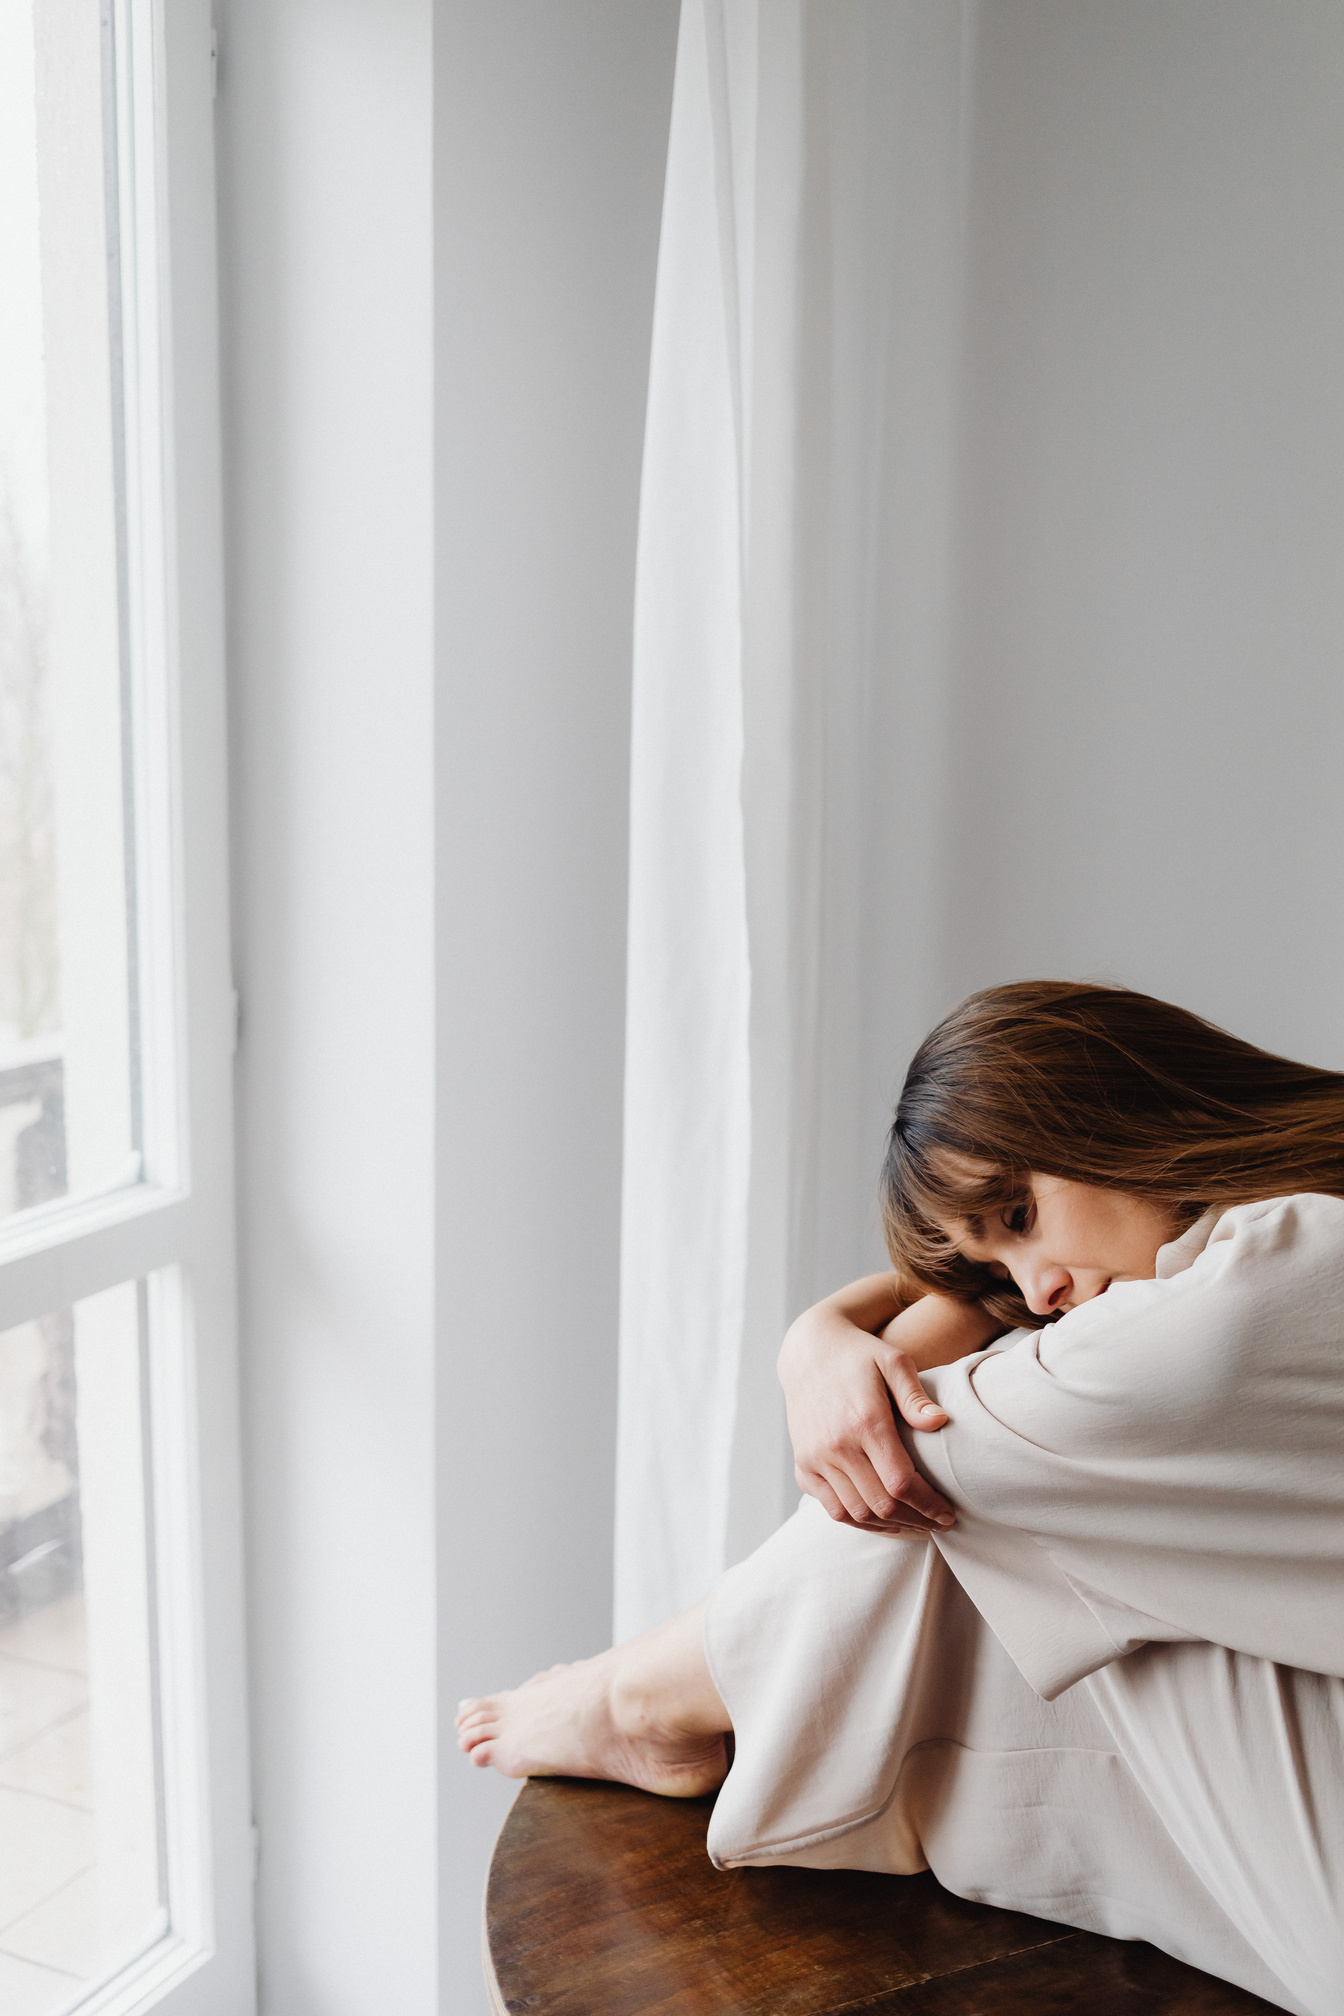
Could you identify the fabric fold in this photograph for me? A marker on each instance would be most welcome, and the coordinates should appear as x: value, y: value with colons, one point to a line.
x: 1165, y: 1461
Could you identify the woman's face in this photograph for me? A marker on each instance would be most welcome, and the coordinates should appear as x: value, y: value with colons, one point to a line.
x: 1062, y: 1243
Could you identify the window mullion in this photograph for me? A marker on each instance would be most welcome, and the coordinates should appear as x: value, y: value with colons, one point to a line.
x: 144, y: 1235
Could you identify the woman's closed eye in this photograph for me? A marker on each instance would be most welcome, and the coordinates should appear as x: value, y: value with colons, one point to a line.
x: 1017, y: 1217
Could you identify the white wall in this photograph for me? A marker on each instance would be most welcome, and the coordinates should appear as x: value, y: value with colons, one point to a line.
x: 1146, y: 708
x: 430, y: 1194
x: 324, y: 122
x: 1090, y: 667
x: 552, y: 135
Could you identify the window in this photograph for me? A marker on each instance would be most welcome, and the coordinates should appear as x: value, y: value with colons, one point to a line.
x: 125, y: 1848
x: 82, y: 1871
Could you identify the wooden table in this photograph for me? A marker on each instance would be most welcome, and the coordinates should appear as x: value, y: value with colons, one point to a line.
x: 602, y: 1902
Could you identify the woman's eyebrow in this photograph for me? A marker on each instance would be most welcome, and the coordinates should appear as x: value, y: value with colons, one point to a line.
x: 974, y: 1224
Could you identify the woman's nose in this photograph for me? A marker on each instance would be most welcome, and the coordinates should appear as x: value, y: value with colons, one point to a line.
x: 1044, y: 1288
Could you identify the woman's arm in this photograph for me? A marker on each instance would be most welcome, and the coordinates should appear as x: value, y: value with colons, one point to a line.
x: 843, y: 1364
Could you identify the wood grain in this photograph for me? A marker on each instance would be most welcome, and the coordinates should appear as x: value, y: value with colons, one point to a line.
x: 602, y: 1902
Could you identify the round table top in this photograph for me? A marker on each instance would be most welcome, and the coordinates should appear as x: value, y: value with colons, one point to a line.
x: 602, y: 1902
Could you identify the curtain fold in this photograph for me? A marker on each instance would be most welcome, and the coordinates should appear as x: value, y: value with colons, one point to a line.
x: 789, y: 583
x: 687, y: 1150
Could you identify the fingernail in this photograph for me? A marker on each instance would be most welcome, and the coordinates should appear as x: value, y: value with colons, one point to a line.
x: 928, y: 1407
x: 947, y: 1520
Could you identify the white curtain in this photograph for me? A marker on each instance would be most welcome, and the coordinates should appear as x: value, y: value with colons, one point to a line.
x: 793, y: 536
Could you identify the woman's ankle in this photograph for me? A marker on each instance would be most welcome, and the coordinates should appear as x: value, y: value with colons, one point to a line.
x: 659, y: 1688
x: 637, y: 1698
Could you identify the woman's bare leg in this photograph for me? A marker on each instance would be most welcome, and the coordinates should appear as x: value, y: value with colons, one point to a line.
x: 646, y: 1713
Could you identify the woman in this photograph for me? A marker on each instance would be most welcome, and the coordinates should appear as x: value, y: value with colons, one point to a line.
x: 1112, y: 1690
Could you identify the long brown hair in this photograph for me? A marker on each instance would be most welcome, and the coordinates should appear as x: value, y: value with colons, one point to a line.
x: 1097, y: 1085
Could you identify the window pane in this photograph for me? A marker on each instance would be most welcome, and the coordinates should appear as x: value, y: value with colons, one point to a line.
x: 81, y: 1875
x: 68, y: 1072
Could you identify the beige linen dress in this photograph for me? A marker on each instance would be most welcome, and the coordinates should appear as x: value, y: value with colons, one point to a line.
x: 1112, y: 1694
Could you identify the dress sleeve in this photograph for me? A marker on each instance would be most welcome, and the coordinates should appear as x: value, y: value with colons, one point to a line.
x: 1165, y: 1462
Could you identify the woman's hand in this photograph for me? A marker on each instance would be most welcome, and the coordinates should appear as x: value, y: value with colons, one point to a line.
x: 843, y: 1365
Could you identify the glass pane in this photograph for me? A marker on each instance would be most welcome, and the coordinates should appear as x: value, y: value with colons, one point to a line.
x: 68, y: 1074
x: 81, y: 1876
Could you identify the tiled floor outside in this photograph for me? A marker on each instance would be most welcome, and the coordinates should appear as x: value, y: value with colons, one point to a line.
x: 48, y: 1897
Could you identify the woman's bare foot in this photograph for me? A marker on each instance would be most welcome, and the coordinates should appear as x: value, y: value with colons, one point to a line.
x: 645, y: 1714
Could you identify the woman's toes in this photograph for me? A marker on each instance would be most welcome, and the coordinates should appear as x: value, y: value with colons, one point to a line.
x: 482, y: 1755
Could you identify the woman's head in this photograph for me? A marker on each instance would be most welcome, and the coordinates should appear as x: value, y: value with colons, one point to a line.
x: 1098, y: 1087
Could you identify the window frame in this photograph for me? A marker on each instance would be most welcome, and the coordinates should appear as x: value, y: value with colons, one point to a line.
x: 175, y: 1228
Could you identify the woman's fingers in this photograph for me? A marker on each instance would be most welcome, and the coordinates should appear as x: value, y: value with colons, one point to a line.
x: 849, y: 1493
x: 817, y: 1487
x: 916, y: 1406
x: 815, y: 1484
x: 906, y: 1528
x: 909, y: 1525
x: 901, y: 1482
x: 878, y: 1502
x: 842, y: 1420
x: 917, y: 1496
x: 868, y: 1471
x: 853, y: 1491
